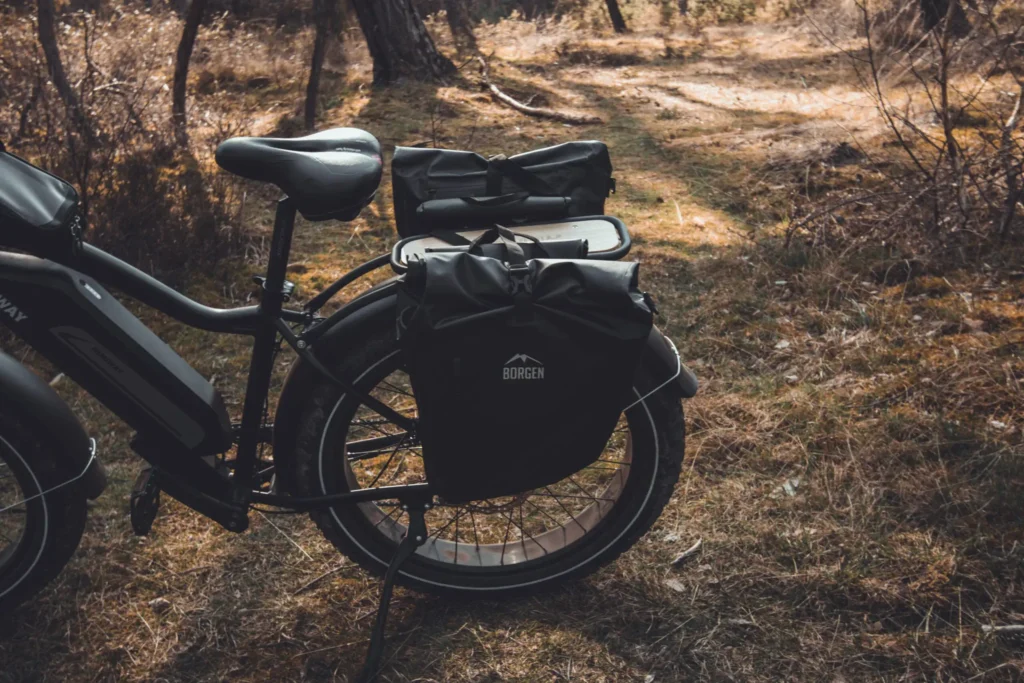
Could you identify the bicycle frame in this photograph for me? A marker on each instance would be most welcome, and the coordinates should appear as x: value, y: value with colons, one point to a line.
x: 177, y: 405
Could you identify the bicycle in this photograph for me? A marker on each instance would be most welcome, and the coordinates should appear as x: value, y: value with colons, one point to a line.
x: 343, y: 439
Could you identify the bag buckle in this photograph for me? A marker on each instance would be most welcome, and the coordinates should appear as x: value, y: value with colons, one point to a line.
x: 519, y: 282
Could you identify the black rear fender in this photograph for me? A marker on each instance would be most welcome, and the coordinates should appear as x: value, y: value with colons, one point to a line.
x: 33, y: 403
x: 663, y: 369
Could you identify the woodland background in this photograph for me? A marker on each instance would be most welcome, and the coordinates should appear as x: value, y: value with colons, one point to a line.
x: 825, y: 196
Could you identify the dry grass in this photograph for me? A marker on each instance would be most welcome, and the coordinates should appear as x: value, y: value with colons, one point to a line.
x: 886, y: 393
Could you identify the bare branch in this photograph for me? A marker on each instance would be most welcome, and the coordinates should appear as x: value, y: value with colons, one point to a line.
x: 1012, y: 170
x: 540, y: 112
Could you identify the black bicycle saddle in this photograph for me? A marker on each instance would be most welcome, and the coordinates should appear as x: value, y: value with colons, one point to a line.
x: 332, y: 174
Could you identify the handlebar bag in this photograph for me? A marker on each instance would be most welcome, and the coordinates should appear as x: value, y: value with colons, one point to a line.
x: 580, y: 171
x: 38, y: 211
x: 520, y: 367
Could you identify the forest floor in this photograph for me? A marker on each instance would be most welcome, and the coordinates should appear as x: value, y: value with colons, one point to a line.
x: 853, y: 463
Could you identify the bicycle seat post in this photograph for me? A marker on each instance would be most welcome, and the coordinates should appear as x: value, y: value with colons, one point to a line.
x: 260, y: 368
x: 280, y: 248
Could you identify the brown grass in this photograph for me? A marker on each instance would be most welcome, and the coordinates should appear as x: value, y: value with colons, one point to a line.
x: 874, y: 386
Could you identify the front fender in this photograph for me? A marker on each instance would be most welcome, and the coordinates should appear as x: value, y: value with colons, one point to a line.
x: 31, y: 400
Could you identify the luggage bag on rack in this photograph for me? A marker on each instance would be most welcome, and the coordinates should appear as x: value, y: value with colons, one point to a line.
x: 451, y: 189
x: 521, y: 366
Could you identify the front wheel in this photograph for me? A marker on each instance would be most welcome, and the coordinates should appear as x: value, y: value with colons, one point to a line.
x: 39, y: 527
x: 514, y: 544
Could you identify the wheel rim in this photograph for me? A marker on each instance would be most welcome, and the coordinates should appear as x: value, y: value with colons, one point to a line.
x: 501, y: 532
x: 13, y: 515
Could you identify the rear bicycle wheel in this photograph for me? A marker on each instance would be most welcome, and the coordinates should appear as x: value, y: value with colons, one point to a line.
x: 514, y: 544
x: 38, y: 533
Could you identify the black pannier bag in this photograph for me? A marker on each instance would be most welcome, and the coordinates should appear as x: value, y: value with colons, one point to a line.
x: 38, y: 211
x: 580, y: 172
x: 520, y: 369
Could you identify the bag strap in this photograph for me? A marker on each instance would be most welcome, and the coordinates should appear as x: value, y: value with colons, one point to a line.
x: 514, y: 253
x: 500, y: 165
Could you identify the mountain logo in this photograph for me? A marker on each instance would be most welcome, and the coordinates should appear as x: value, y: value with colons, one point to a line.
x: 521, y: 366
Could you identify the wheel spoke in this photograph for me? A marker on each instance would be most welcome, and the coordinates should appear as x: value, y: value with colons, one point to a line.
x: 585, y: 492
x: 370, y: 455
x: 437, y: 534
x: 557, y: 500
x: 386, y: 465
x: 457, y: 513
x: 398, y: 470
x: 370, y: 422
x: 476, y: 535
x: 522, y: 528
x: 383, y: 519
x: 544, y: 512
x: 396, y: 390
x: 365, y: 449
x: 504, y: 543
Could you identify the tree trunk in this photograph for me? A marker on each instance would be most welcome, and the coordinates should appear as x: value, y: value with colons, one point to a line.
x: 55, y: 67
x: 934, y: 11
x: 188, y: 41
x: 461, y: 25
x: 399, y: 42
x: 617, y: 21
x: 322, y: 10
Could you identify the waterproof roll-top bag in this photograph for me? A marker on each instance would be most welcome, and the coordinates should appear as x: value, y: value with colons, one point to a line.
x: 563, y: 181
x: 38, y: 211
x: 521, y: 367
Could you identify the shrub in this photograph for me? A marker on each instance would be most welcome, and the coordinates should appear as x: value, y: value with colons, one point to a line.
x: 143, y: 199
x: 949, y: 174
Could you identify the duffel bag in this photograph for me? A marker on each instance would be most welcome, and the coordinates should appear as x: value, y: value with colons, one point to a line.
x: 521, y: 368
x: 579, y: 171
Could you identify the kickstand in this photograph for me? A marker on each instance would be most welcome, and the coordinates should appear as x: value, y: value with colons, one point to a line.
x: 414, y: 538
